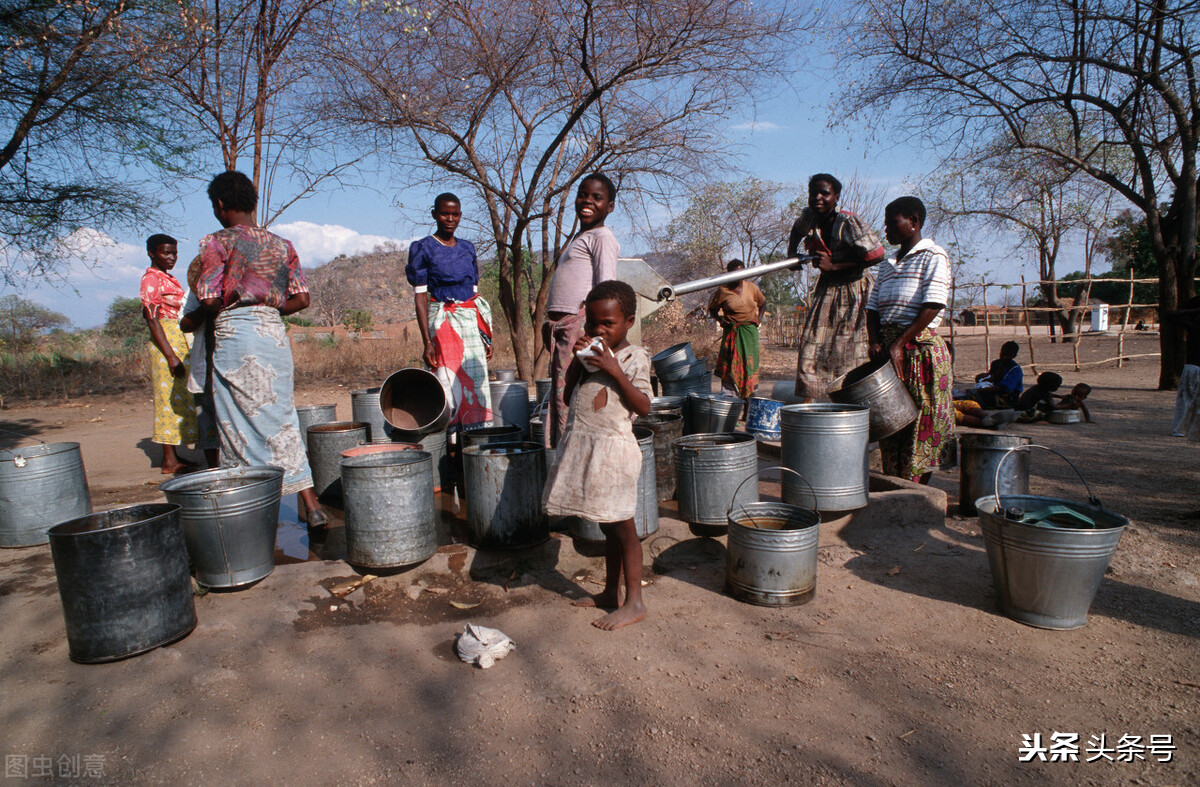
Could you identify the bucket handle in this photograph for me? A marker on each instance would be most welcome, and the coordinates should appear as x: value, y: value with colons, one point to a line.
x: 729, y: 510
x: 999, y: 465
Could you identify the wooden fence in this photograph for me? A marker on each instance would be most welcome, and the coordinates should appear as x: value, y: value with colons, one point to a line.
x: 784, y: 329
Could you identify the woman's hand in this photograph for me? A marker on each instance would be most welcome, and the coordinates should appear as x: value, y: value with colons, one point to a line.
x: 824, y: 261
x: 177, y: 367
x: 430, y: 354
x: 896, y: 351
x: 876, y: 350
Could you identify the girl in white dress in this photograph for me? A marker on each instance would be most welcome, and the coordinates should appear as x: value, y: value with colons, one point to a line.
x: 599, y: 460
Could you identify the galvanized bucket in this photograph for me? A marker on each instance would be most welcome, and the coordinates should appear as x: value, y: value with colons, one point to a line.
x: 543, y: 388
x: 707, y: 471
x: 667, y: 427
x: 678, y: 356
x: 503, y: 489
x: 827, y: 445
x: 1047, y: 576
x: 485, y: 435
x: 379, y: 448
x: 701, y: 382
x: 668, y: 402
x: 762, y: 418
x: 713, y: 413
x: 979, y: 457
x: 505, y: 375
x: 364, y: 408
x: 771, y: 558
x: 445, y: 469
x: 40, y: 486
x: 510, y: 404
x: 645, y: 517
x: 123, y: 580
x: 313, y: 414
x: 537, y: 430
x: 229, y: 519
x: 391, y: 519
x: 877, y: 385
x: 325, y: 445
x: 414, y: 401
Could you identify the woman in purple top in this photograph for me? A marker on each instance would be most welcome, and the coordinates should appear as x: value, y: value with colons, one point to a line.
x: 457, y: 328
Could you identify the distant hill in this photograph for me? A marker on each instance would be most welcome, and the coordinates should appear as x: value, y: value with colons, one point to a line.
x: 373, y: 282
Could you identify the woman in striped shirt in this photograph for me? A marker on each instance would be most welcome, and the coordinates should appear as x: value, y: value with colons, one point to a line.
x: 903, y: 312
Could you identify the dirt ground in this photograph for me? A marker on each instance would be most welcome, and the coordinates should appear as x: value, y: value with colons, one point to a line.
x: 899, y: 671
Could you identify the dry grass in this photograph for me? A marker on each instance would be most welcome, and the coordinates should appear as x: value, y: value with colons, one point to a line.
x: 353, y: 361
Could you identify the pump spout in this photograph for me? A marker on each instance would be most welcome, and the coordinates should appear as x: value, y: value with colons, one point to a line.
x: 670, y: 292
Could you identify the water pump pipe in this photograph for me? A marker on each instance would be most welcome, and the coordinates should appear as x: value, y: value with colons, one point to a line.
x: 670, y: 292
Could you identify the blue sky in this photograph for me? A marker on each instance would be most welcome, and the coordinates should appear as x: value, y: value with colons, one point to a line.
x: 786, y: 140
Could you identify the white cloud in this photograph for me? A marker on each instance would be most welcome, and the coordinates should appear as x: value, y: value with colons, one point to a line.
x: 317, y: 244
x: 752, y: 126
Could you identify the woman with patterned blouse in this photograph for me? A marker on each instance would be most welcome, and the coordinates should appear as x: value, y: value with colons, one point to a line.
x: 162, y: 297
x: 834, y: 337
x: 250, y: 278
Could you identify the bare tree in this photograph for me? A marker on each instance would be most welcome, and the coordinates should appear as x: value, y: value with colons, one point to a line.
x: 519, y: 99
x: 1005, y: 188
x: 241, y: 71
x: 1119, y: 76
x: 76, y: 121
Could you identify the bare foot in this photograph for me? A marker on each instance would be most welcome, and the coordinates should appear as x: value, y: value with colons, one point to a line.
x: 598, y: 601
x: 626, y: 615
x: 182, y: 467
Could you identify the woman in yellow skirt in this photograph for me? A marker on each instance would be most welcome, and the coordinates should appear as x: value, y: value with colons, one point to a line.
x: 162, y: 299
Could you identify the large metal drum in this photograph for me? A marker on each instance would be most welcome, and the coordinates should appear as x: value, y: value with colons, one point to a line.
x: 326, y: 442
x: 414, y: 402
x: 123, y: 580
x: 503, y: 486
x: 486, y: 435
x: 390, y: 513
x: 313, y: 414
x: 510, y: 404
x: 827, y: 445
x: 713, y: 413
x: 709, y: 470
x: 364, y: 408
x: 645, y: 517
x: 876, y: 385
x: 40, y: 486
x: 229, y: 520
x: 979, y: 457
x: 667, y: 428
x: 771, y: 559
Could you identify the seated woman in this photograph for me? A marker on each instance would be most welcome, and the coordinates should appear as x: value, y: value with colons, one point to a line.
x: 903, y: 312
x: 1001, y: 384
x: 249, y: 279
x: 457, y: 328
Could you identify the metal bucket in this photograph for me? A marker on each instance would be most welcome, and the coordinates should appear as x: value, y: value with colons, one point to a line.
x: 979, y: 456
x: 537, y: 430
x: 876, y: 385
x: 771, y: 559
x: 414, y: 401
x: 364, y: 408
x: 391, y: 519
x: 667, y: 428
x: 674, y: 359
x: 325, y: 445
x: 379, y: 448
x: 762, y: 418
x: 698, y: 383
x: 542, y: 387
x: 313, y: 414
x: 504, y: 375
x: 713, y: 413
x: 827, y: 445
x: 645, y: 517
x: 123, y: 580
x: 485, y: 435
x: 229, y: 520
x: 40, y: 486
x: 503, y: 485
x: 1047, y: 576
x: 661, y: 402
x: 785, y: 392
x: 708, y: 469
x: 437, y: 444
x: 510, y: 404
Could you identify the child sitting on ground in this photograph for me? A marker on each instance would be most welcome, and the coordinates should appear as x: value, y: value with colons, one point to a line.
x: 599, y: 459
x: 1001, y: 384
x: 1038, y: 400
x: 1074, y: 400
